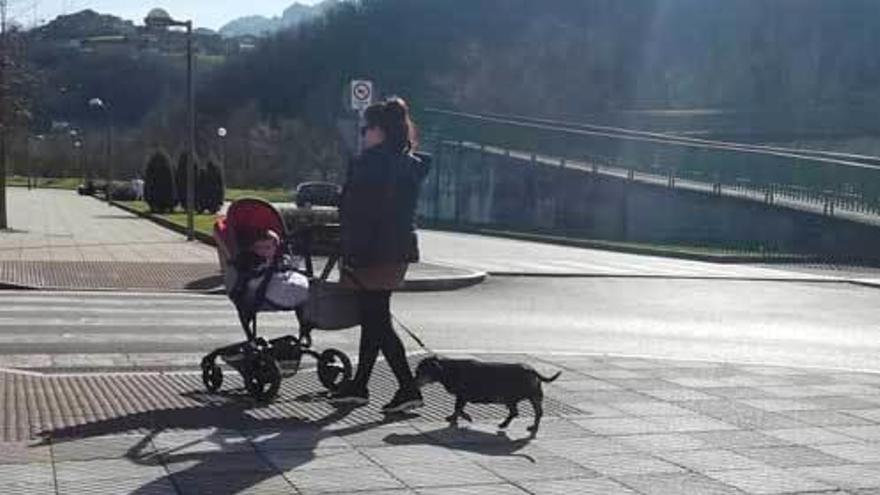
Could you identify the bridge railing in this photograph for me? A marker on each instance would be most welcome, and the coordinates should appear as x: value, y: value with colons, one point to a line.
x: 829, y: 182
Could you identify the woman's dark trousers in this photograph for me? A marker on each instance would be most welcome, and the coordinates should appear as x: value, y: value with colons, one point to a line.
x: 377, y: 333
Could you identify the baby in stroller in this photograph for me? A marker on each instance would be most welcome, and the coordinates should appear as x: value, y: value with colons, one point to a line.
x: 267, y: 269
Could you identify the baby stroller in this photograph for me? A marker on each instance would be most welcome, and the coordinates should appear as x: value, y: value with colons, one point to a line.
x: 260, y: 361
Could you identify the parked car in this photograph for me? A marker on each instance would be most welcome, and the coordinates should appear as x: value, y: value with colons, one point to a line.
x: 318, y: 194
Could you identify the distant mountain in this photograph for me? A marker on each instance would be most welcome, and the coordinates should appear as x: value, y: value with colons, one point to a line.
x: 257, y: 25
x: 85, y: 24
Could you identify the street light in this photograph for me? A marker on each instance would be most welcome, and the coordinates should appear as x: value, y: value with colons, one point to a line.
x: 104, y: 107
x: 221, y: 133
x: 77, y: 146
x: 160, y: 19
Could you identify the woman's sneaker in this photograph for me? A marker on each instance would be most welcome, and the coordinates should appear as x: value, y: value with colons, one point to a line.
x: 403, y: 401
x: 349, y: 395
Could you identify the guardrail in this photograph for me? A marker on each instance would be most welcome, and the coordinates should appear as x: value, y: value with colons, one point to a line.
x: 821, y: 181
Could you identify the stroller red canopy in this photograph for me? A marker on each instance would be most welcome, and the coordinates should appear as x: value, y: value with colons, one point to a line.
x: 245, y: 218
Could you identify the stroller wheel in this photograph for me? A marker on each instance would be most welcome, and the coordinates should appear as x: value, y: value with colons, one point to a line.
x: 334, y: 369
x: 263, y: 378
x: 212, y: 377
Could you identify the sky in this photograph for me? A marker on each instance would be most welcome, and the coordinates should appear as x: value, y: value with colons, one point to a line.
x: 206, y: 13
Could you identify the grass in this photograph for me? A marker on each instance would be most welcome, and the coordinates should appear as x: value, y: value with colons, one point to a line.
x: 274, y: 195
x: 203, y: 222
x: 46, y: 182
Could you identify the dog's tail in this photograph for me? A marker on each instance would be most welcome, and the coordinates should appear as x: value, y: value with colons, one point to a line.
x: 548, y: 380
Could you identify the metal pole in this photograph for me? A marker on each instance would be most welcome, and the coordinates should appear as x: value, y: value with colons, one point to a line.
x: 4, y: 115
x: 109, y: 153
x: 191, y: 141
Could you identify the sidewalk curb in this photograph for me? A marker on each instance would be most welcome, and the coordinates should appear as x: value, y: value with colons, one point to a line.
x: 439, y: 284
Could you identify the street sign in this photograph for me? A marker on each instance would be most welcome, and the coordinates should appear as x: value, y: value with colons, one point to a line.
x: 361, y: 94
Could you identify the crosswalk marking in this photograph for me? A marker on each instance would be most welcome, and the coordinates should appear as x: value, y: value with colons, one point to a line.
x: 68, y: 330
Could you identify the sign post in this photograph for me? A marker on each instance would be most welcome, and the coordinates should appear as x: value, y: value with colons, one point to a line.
x: 361, y: 98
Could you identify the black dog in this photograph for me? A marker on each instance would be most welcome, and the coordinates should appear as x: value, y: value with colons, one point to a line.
x: 486, y: 383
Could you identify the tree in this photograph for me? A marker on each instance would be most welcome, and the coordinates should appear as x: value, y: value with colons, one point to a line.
x: 181, y: 178
x: 211, y: 188
x: 159, y: 183
x: 15, y: 83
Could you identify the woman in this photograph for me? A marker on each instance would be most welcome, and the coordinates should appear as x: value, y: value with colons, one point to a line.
x: 379, y: 241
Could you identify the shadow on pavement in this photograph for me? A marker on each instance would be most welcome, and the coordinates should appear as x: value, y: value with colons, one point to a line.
x: 466, y: 440
x: 216, y: 462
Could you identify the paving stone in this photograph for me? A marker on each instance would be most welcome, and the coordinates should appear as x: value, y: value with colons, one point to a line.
x: 776, y: 405
x: 27, y: 474
x: 106, y: 469
x: 30, y: 489
x: 537, y: 468
x: 619, y: 426
x: 628, y: 464
x: 768, y: 481
x: 828, y: 418
x: 866, y: 433
x: 653, y: 408
x: 411, y: 454
x: 679, y: 394
x: 869, y: 414
x: 663, y: 441
x: 157, y: 486
x: 691, y: 423
x: 850, y: 476
x: 678, y: 484
x: 299, y: 460
x: 808, y: 436
x: 797, y: 392
x: 842, y: 403
x: 711, y: 459
x: 855, y: 452
x: 24, y: 453
x: 575, y: 448
x: 585, y: 386
x: 738, y: 439
x: 342, y: 480
x: 739, y: 392
x: 219, y: 463
x: 102, y: 447
x: 504, y: 489
x: 239, y: 483
x: 578, y: 486
x: 445, y: 474
x: 303, y: 438
x: 597, y: 410
x: 790, y: 457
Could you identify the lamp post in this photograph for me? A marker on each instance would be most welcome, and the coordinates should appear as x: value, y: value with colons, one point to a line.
x: 221, y: 133
x: 100, y: 104
x: 160, y: 19
x: 77, y: 147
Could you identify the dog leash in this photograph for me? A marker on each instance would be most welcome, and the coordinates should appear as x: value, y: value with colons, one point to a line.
x: 396, y: 320
x: 411, y: 334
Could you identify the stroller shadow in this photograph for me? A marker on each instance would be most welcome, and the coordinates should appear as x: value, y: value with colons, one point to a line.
x: 214, y: 467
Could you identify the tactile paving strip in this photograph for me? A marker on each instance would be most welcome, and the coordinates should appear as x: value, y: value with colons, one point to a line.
x: 109, y: 275
x: 88, y: 405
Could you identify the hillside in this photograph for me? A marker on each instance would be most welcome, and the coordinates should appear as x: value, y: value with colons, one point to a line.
x: 571, y: 58
x: 257, y: 25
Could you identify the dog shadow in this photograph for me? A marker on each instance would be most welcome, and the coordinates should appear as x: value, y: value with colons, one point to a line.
x: 466, y: 440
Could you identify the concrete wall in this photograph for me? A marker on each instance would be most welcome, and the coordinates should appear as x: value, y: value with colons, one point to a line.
x: 477, y: 188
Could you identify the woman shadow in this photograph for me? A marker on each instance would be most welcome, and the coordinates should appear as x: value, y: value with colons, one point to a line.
x: 209, y: 467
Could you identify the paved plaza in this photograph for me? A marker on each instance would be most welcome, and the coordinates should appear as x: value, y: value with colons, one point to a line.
x: 614, y: 425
